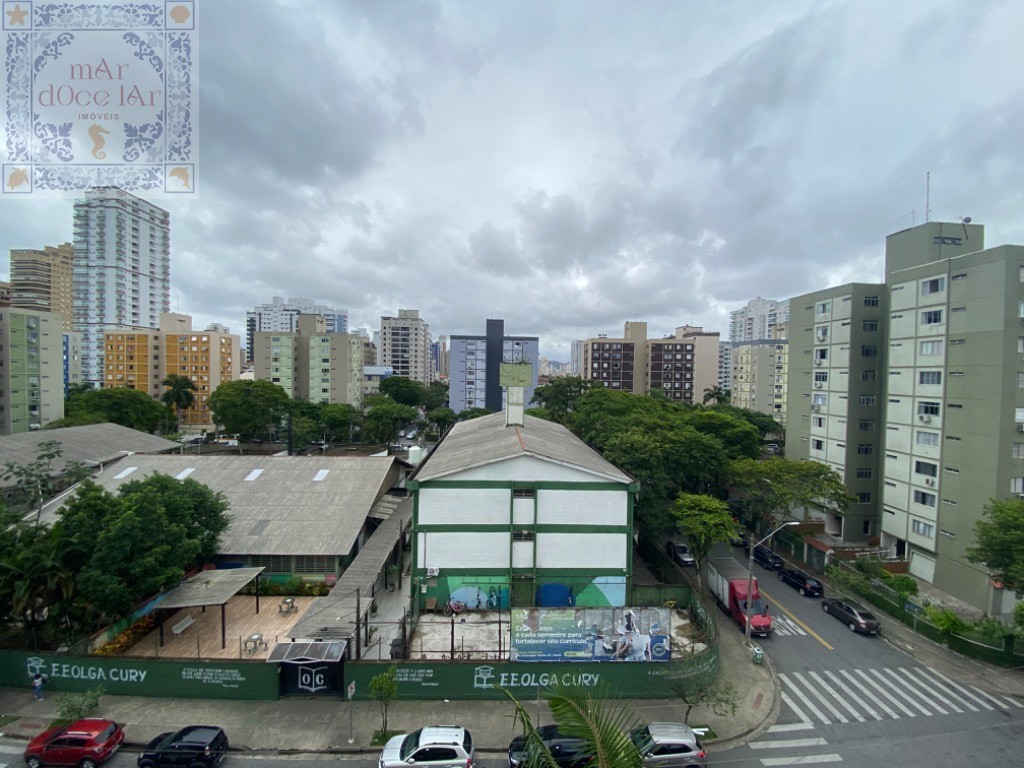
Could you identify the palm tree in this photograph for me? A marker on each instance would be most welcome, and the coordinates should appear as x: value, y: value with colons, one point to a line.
x: 716, y: 395
x: 180, y: 395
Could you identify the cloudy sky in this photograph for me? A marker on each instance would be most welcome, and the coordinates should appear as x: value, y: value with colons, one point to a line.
x: 569, y: 166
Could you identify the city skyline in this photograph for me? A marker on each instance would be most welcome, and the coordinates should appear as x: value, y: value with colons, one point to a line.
x: 666, y: 165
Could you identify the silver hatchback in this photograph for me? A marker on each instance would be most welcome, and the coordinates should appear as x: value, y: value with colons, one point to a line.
x: 670, y: 745
x: 447, y: 745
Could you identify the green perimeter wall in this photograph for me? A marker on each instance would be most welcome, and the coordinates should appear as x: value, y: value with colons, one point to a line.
x: 142, y: 677
x: 461, y: 680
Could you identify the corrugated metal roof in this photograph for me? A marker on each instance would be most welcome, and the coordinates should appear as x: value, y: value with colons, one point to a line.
x: 214, y: 587
x: 91, y: 445
x: 487, y: 440
x: 276, y: 504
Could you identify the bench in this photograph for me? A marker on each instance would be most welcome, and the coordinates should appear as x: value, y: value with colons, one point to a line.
x: 182, y: 625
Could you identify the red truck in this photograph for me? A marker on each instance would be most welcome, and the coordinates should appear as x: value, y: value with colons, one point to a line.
x: 728, y: 581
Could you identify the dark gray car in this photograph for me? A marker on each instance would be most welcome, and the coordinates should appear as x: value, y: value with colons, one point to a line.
x: 801, y: 582
x: 765, y: 557
x: 855, y: 616
x: 196, y: 745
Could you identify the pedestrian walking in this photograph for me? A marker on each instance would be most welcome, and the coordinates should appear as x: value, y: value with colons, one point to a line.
x: 37, y: 685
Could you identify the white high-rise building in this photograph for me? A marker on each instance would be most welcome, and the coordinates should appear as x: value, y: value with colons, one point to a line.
x: 122, y: 269
x: 280, y: 316
x: 758, y: 319
x: 405, y: 345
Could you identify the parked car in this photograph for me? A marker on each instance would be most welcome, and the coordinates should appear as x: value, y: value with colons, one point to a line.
x: 670, y: 745
x: 773, y: 448
x: 191, y: 747
x: 764, y: 557
x: 680, y: 553
x: 435, y: 745
x: 567, y: 751
x: 739, y: 537
x: 855, y: 616
x: 801, y: 582
x: 85, y: 743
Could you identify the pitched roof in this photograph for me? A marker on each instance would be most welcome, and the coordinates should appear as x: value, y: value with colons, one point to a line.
x: 92, y: 444
x: 280, y: 505
x: 487, y: 440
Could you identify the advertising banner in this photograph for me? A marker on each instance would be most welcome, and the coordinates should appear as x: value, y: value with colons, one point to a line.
x: 591, y: 634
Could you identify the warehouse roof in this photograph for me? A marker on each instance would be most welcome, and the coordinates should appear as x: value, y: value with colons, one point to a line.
x: 279, y: 505
x: 487, y: 440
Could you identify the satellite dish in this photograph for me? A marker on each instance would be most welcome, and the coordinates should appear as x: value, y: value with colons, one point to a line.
x: 966, y: 219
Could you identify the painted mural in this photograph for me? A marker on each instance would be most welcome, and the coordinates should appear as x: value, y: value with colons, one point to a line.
x: 591, y: 634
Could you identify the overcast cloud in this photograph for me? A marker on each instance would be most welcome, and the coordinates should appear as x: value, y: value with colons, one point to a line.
x: 569, y: 166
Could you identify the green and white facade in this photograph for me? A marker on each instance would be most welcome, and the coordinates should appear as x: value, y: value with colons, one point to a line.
x: 520, y: 515
x: 31, y: 369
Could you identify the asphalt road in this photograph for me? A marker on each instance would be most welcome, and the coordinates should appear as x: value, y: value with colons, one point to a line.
x: 860, y: 701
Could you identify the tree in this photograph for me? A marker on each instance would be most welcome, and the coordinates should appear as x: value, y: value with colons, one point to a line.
x: 442, y: 419
x: 706, y: 521
x: 473, y: 413
x: 384, y: 421
x: 773, y: 488
x: 999, y: 542
x: 738, y: 436
x: 383, y: 690
x: 560, y: 396
x: 715, y: 394
x: 120, y: 405
x: 179, y: 395
x: 78, y: 388
x: 704, y: 690
x: 249, y: 407
x: 337, y: 420
x: 403, y: 391
x: 435, y: 396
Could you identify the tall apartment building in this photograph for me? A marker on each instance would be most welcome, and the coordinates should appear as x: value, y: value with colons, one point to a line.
x: 41, y: 279
x: 405, y: 345
x: 475, y: 364
x: 71, y: 344
x: 143, y: 359
x: 576, y: 357
x: 280, y: 316
x: 5, y: 293
x: 836, y: 393
x: 725, y: 364
x: 679, y: 365
x: 759, y: 376
x: 121, y: 277
x: 31, y: 369
x: 757, y: 319
x: 311, y: 363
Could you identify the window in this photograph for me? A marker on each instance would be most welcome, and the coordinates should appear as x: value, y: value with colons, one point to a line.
x: 926, y: 438
x: 822, y: 307
x: 868, y: 350
x: 867, y: 375
x: 935, y: 285
x: 1017, y: 485
x: 926, y: 468
x: 821, y: 332
x: 821, y: 376
x: 1020, y: 379
x: 817, y: 445
x: 523, y: 493
x: 1018, y: 450
x: 1019, y: 415
x: 924, y: 498
x: 864, y: 473
x: 867, y: 399
x: 928, y: 408
x: 863, y: 497
x: 821, y: 354
x: 935, y: 377
x: 869, y: 325
x: 870, y: 301
x: 866, y: 425
x: 865, y: 449
x: 933, y: 317
x: 922, y: 528
x: 522, y: 536
x: 819, y: 399
x: 931, y: 347
x: 819, y: 421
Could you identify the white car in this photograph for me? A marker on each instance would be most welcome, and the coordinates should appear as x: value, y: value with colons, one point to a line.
x: 447, y: 745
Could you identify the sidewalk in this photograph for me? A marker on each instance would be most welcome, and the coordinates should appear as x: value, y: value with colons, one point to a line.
x: 311, y: 725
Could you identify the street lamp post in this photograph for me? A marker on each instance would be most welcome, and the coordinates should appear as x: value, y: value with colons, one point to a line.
x: 750, y: 569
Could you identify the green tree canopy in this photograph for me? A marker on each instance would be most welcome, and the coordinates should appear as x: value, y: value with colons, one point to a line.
x: 442, y: 419
x: 384, y: 421
x: 474, y: 413
x: 180, y: 394
x: 999, y: 542
x: 738, y: 436
x: 715, y: 394
x: 773, y: 488
x: 560, y: 396
x: 337, y: 420
x: 123, y: 405
x: 403, y: 391
x: 249, y: 407
x: 435, y: 396
x: 705, y: 520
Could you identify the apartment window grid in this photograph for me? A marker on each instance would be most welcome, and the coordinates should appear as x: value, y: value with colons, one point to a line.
x: 933, y: 317
x: 935, y: 377
x: 864, y: 473
x: 934, y: 285
x: 924, y: 498
x: 870, y: 301
x: 922, y: 528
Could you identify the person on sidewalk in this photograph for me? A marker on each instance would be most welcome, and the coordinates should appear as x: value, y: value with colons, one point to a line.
x: 37, y: 686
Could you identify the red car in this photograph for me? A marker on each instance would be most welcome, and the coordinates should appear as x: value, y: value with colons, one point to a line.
x: 85, y: 743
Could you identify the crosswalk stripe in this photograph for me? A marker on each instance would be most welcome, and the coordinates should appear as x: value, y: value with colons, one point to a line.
x: 789, y: 727
x: 12, y: 749
x: 807, y: 702
x: 796, y: 710
x: 990, y: 697
x: 930, y: 695
x: 891, y: 680
x: 964, y: 691
x: 768, y: 762
x: 820, y: 696
x: 846, y: 705
x: 1002, y: 704
x: 786, y: 626
x: 908, y: 712
x: 864, y: 705
x: 860, y: 686
x: 817, y: 741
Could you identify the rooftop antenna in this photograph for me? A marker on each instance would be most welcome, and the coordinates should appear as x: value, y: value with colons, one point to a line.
x: 964, y: 221
x: 927, y: 196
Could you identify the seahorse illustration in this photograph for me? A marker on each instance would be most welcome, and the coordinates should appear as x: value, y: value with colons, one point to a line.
x: 96, y: 132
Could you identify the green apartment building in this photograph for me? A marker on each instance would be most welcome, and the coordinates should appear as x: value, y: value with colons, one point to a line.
x: 31, y: 369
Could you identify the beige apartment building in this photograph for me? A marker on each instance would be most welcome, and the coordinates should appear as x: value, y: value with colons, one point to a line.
x: 405, y: 345
x: 759, y: 381
x: 31, y: 370
x: 41, y: 280
x: 310, y: 363
x: 681, y: 366
x: 143, y: 359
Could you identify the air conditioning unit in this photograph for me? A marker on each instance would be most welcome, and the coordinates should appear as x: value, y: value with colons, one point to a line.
x: 924, y: 418
x: 818, y: 385
x: 929, y: 481
x: 433, y: 571
x: 818, y: 361
x: 815, y: 408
